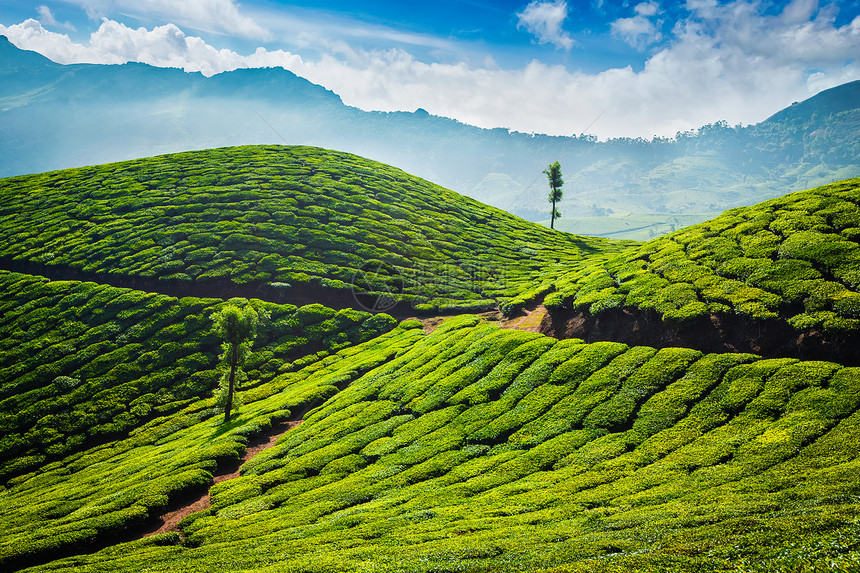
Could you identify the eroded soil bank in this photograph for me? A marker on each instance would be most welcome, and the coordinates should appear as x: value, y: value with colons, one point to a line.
x: 715, y: 333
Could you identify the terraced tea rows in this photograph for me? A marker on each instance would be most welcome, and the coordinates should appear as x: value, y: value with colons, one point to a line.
x: 94, y: 497
x: 295, y: 223
x: 469, y: 449
x: 479, y: 449
x: 84, y: 364
x: 790, y: 265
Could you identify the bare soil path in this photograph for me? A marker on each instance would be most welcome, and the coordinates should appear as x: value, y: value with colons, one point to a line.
x: 528, y: 319
x: 193, y: 503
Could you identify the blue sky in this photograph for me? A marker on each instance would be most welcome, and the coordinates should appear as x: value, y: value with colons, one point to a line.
x: 647, y: 68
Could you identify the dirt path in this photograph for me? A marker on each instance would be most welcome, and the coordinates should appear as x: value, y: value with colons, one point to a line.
x: 528, y: 319
x: 198, y: 502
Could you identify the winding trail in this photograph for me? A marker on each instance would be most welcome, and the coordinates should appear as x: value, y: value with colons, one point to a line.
x: 528, y: 319
x: 199, y: 501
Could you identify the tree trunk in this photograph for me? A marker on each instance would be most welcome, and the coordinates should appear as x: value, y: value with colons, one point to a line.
x: 231, y: 381
x: 552, y: 219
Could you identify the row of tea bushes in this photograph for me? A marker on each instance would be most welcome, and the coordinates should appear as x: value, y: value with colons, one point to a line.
x: 795, y: 258
x: 82, y: 363
x: 478, y: 449
x: 94, y: 495
x: 296, y: 217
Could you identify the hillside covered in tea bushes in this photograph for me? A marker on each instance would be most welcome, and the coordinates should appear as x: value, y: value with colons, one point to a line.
x: 295, y: 224
x: 442, y: 445
x: 788, y: 267
x: 84, y: 363
x: 481, y: 449
x: 171, y: 439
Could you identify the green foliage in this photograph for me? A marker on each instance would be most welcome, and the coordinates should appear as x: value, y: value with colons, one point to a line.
x: 293, y: 220
x: 792, y: 258
x: 237, y: 327
x: 479, y: 449
x: 468, y: 449
x: 556, y: 182
x: 83, y: 364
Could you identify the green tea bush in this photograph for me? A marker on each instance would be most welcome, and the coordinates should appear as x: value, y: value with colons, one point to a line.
x: 689, y: 447
x: 291, y: 218
x: 780, y: 259
x: 93, y: 372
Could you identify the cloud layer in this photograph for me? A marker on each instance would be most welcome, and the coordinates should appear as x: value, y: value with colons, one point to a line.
x: 722, y: 61
x: 640, y: 30
x: 219, y: 16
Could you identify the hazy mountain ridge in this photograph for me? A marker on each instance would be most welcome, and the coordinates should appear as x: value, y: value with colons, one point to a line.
x: 56, y: 116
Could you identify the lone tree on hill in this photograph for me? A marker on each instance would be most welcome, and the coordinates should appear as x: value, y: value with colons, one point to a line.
x: 237, y: 327
x: 553, y: 174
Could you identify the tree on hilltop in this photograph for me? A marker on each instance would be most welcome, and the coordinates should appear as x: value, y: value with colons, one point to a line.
x: 553, y: 175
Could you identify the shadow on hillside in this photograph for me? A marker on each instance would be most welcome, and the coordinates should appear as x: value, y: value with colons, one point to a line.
x: 770, y: 338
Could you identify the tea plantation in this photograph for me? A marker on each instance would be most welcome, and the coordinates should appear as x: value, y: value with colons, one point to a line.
x: 481, y: 449
x: 294, y: 220
x: 468, y: 448
x: 81, y: 363
x: 794, y: 259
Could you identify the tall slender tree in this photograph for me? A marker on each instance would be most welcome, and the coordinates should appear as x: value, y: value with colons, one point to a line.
x: 553, y: 175
x: 237, y: 327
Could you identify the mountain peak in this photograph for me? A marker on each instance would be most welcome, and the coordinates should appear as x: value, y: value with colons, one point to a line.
x: 14, y: 59
x: 275, y: 82
x: 844, y: 97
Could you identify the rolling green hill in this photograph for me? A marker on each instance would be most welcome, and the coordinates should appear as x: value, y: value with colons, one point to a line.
x: 91, y: 373
x: 480, y: 449
x: 294, y: 224
x: 83, y: 364
x: 469, y: 448
x: 789, y: 266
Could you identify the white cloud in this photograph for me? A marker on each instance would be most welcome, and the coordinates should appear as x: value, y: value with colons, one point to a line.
x: 45, y: 16
x: 219, y: 16
x: 639, y: 31
x: 544, y: 20
x: 647, y: 9
x: 116, y: 43
x: 723, y: 62
x: 636, y: 31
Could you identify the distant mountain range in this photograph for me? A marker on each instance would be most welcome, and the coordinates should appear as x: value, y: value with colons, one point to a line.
x: 55, y: 116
